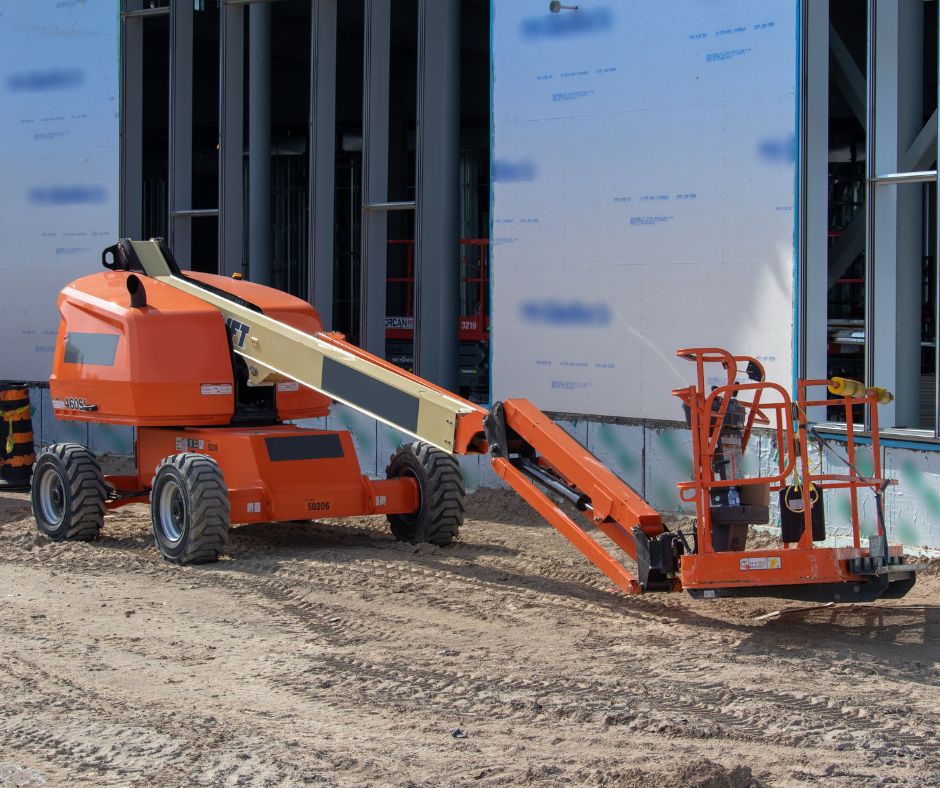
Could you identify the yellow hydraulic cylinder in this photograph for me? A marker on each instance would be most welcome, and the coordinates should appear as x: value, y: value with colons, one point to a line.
x: 846, y: 387
x: 882, y: 396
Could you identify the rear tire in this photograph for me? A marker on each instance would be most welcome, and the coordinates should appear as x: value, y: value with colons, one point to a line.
x: 442, y: 494
x: 189, y: 509
x: 68, y: 493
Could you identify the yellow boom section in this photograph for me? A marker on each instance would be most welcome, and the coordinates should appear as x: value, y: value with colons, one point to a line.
x: 275, y: 351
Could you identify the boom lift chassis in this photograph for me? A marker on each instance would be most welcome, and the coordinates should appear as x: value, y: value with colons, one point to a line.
x: 555, y: 474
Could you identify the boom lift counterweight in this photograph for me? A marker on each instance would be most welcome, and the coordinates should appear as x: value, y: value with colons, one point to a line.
x: 211, y: 370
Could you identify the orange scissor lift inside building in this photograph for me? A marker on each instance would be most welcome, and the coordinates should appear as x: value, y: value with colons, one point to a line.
x: 212, y: 371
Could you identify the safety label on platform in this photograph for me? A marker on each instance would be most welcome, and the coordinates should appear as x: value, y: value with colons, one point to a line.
x: 769, y: 562
x: 288, y: 385
x: 208, y: 389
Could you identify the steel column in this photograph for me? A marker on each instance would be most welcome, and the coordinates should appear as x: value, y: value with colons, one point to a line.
x: 437, y: 271
x: 231, y: 142
x: 909, y: 256
x: 260, y: 249
x: 377, y: 52
x: 322, y: 157
x: 894, y: 210
x: 180, y: 170
x: 936, y: 257
x: 870, y: 148
x: 813, y: 168
x: 132, y: 113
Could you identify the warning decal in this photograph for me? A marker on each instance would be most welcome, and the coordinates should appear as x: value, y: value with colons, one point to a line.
x: 211, y: 389
x: 768, y: 562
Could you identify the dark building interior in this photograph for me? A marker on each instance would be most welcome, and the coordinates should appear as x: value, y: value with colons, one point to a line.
x: 290, y: 94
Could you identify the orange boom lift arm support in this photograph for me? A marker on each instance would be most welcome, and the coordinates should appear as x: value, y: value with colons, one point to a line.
x: 529, y: 452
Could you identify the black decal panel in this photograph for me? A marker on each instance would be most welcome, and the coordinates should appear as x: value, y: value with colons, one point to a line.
x: 394, y: 406
x: 304, y: 447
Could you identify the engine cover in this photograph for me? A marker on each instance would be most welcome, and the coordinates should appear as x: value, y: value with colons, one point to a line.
x: 167, y: 362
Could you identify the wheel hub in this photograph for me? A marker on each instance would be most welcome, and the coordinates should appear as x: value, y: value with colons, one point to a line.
x: 52, y: 497
x: 172, y: 512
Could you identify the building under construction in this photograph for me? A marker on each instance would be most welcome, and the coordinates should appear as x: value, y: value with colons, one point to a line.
x: 508, y: 197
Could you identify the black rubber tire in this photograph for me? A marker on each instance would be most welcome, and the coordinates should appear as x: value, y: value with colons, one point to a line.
x: 68, y: 493
x: 189, y: 509
x: 443, y: 497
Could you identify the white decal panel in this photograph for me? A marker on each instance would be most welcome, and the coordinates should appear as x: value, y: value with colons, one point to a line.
x: 766, y: 562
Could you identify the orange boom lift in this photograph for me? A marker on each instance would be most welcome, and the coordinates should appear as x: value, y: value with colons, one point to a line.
x: 212, y: 371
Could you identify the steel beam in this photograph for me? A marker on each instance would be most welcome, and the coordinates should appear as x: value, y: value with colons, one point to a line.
x: 847, y: 247
x: 923, y: 150
x: 849, y: 79
x: 144, y: 13
x: 400, y: 205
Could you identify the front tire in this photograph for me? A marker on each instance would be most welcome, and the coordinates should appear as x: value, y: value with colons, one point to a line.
x: 68, y: 493
x: 189, y: 509
x: 443, y: 498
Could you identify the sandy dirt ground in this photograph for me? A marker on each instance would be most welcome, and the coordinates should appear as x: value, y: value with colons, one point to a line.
x: 327, y: 653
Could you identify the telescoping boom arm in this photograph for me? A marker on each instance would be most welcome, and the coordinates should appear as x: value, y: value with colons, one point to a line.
x: 527, y: 449
x: 323, y: 361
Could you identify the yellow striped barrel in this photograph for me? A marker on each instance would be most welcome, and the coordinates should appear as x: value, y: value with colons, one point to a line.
x: 17, y: 452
